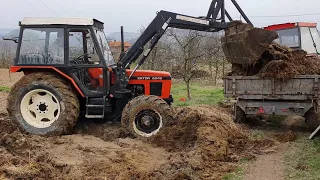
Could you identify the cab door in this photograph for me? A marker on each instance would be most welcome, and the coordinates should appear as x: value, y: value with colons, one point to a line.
x: 84, y: 61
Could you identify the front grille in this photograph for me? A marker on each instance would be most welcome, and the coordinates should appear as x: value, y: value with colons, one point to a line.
x: 156, y: 88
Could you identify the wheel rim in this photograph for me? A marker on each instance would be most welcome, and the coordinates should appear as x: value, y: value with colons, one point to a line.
x: 40, y: 108
x: 147, y: 123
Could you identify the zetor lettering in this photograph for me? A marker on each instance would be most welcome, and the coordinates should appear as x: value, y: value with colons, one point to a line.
x: 149, y: 78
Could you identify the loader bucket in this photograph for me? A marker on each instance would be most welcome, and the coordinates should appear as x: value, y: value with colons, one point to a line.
x: 243, y: 44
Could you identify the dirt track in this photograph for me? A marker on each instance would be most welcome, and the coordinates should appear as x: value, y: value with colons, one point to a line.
x: 268, y: 166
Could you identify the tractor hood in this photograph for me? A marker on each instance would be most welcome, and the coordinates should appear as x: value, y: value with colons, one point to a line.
x: 149, y: 75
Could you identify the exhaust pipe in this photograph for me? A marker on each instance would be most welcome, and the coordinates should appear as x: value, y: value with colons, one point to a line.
x: 122, y: 43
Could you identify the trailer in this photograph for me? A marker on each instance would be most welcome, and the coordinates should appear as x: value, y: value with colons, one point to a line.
x: 255, y: 95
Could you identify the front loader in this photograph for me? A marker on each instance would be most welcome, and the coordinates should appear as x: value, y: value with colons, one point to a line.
x: 69, y: 70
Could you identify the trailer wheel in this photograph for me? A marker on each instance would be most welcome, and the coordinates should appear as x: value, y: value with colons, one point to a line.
x: 145, y: 116
x: 312, y: 119
x: 43, y: 104
x: 240, y: 115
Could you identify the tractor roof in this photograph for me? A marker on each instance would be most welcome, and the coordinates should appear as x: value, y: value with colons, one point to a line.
x: 290, y: 25
x: 59, y: 21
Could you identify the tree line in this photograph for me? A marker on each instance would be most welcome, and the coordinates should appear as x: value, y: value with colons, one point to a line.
x: 189, y: 55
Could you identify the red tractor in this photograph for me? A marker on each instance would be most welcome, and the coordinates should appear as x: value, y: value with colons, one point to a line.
x: 69, y: 71
x: 300, y: 35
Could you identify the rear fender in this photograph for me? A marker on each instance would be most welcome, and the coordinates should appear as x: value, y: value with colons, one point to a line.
x: 29, y: 69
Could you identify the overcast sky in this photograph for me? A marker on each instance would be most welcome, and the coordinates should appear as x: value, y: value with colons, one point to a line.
x: 133, y: 14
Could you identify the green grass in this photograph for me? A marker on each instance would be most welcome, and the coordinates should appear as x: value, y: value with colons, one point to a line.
x: 303, y: 160
x: 201, y: 94
x: 4, y: 89
x: 238, y: 175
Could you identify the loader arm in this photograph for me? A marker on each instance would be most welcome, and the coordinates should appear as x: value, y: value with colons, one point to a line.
x: 164, y: 19
x: 156, y: 29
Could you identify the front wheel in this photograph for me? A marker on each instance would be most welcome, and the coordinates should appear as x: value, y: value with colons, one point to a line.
x: 145, y: 116
x: 43, y: 104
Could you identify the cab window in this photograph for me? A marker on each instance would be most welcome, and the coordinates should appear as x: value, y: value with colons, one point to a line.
x: 81, y: 47
x: 42, y: 46
x: 289, y: 37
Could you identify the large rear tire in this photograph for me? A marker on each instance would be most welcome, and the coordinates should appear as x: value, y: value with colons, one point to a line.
x: 312, y: 119
x: 43, y: 104
x: 145, y: 116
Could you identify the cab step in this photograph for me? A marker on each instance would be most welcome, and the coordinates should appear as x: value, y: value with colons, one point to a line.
x: 94, y: 116
x: 96, y: 107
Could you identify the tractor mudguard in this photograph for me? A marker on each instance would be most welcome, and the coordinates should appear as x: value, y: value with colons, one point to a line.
x: 22, y: 68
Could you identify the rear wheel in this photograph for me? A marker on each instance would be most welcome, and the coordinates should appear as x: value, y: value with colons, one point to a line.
x: 43, y: 104
x: 145, y: 116
x: 312, y: 119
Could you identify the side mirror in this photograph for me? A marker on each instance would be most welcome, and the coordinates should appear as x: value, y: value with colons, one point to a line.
x: 14, y: 39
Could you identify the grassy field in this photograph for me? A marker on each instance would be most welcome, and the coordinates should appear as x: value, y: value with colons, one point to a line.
x: 202, y: 93
x: 303, y: 160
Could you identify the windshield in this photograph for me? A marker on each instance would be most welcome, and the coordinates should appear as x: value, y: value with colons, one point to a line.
x: 102, y: 40
x: 289, y: 37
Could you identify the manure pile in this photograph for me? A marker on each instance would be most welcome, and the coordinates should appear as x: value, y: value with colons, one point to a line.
x: 280, y: 62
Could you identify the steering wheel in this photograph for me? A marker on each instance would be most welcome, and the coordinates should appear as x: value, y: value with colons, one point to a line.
x: 79, y: 59
x: 81, y: 56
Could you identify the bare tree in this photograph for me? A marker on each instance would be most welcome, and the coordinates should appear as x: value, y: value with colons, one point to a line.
x: 188, y: 53
x: 160, y: 57
x: 214, y: 55
x: 7, y: 51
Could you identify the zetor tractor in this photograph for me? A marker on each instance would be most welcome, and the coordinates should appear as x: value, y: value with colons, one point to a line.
x: 69, y: 70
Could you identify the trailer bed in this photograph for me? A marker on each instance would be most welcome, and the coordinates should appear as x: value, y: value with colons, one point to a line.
x: 304, y: 87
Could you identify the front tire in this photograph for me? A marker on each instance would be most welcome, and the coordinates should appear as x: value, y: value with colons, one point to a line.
x: 145, y: 116
x: 43, y: 104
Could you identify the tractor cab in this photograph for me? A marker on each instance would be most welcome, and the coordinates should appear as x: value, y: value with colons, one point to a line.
x: 75, y: 46
x: 300, y: 35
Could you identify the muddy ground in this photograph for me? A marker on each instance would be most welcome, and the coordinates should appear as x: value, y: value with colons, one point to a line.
x: 204, y: 143
x: 200, y: 146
